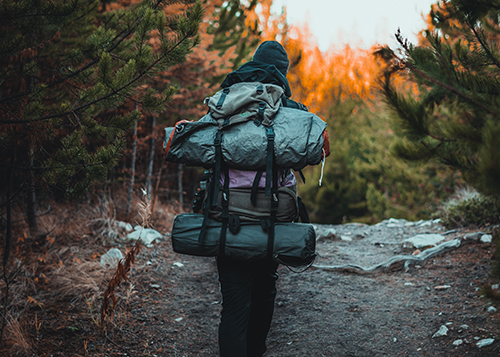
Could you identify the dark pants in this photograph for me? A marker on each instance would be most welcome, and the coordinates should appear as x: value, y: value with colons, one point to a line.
x: 248, y: 292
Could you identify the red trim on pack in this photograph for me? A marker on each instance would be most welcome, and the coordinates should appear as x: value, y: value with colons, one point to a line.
x: 326, y: 144
x: 172, y: 135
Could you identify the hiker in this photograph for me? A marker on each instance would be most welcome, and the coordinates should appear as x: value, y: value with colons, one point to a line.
x: 249, y: 287
x: 250, y: 139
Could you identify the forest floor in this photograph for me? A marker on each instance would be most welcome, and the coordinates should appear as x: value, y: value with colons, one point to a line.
x: 170, y: 305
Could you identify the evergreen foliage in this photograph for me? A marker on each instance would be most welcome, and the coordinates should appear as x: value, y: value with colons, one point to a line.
x: 362, y: 180
x: 233, y: 29
x: 71, y: 72
x: 454, y: 116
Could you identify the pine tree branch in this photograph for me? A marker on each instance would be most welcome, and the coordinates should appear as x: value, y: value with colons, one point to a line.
x: 97, y: 100
x: 451, y: 89
x: 90, y: 64
x: 484, y: 45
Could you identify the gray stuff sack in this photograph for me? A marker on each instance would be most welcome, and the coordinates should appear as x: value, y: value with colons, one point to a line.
x: 294, y: 243
x: 298, y: 134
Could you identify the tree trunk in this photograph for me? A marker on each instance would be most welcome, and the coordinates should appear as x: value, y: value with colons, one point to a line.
x: 180, y: 171
x: 158, y: 181
x: 149, y: 175
x: 132, y: 169
x: 31, y: 199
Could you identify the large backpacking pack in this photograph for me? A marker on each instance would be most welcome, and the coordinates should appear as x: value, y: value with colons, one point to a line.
x: 247, y: 127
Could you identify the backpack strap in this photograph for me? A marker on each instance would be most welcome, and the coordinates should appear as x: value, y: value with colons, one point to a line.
x: 225, y: 212
x: 255, y: 187
x: 302, y: 177
x: 225, y: 92
x: 274, y: 210
x: 269, y: 159
x: 260, y: 114
x: 304, y: 216
x: 208, y: 201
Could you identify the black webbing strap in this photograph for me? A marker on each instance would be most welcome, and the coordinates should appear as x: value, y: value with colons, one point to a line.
x: 208, y: 201
x: 274, y: 211
x: 255, y: 187
x: 260, y: 114
x: 304, y: 216
x: 269, y: 159
x: 222, y: 98
x: 302, y: 176
x: 218, y: 163
x: 225, y: 212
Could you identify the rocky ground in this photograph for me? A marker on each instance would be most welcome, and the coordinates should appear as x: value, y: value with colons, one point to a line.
x: 338, y: 310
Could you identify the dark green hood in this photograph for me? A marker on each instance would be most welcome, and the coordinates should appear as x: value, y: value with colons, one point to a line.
x: 254, y: 71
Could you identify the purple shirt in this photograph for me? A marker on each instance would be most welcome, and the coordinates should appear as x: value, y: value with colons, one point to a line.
x: 243, y: 178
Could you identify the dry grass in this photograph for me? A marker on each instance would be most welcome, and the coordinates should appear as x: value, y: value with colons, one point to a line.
x: 60, y: 269
x: 78, y: 281
x: 17, y: 338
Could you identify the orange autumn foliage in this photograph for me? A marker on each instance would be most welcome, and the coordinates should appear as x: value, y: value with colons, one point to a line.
x: 317, y: 78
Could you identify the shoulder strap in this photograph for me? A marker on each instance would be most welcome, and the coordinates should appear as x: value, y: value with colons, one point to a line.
x: 225, y: 212
x: 255, y: 187
x: 274, y: 210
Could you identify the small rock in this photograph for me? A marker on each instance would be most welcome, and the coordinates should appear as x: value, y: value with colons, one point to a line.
x: 465, y: 327
x: 475, y: 236
x: 443, y: 331
x: 395, y: 339
x: 147, y: 235
x: 346, y: 238
x: 442, y: 287
x: 154, y: 286
x: 486, y: 238
x: 449, y: 323
x: 112, y: 257
x: 422, y: 240
x: 485, y: 342
x: 409, y: 284
x: 128, y: 227
x: 426, y: 223
x: 179, y: 319
x: 491, y: 309
x: 178, y: 264
x: 325, y: 233
x: 495, y: 286
x: 458, y: 342
x: 392, y: 225
x: 417, y: 252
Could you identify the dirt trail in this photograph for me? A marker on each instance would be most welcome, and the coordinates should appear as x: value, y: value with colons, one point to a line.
x: 324, y: 313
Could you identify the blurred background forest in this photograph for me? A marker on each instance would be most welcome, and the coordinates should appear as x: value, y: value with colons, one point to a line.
x: 87, y: 88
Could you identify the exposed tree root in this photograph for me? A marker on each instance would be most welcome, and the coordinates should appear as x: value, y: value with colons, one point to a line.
x: 426, y: 254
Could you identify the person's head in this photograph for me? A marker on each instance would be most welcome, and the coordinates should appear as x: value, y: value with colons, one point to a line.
x: 271, y: 52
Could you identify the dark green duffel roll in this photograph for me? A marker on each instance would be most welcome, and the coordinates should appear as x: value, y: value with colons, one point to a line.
x: 294, y: 243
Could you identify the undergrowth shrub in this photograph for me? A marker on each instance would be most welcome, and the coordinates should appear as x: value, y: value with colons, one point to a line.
x: 469, y: 208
